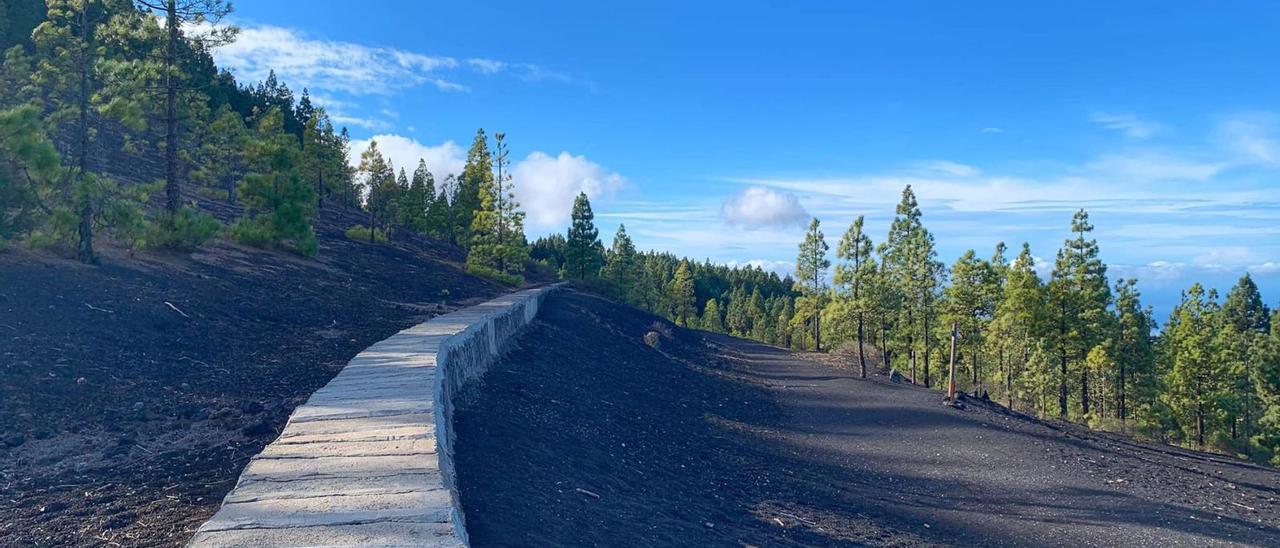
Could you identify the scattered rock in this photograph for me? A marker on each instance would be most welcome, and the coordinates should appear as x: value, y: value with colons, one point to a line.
x: 14, y: 440
x: 651, y: 338
x: 251, y: 407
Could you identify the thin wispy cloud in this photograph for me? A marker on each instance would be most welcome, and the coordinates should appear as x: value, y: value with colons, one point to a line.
x: 357, y: 69
x: 1128, y: 124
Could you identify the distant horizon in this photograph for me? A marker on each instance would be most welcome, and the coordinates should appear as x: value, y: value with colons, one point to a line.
x: 717, y: 134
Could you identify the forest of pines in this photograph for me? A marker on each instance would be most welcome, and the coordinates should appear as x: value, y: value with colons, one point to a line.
x: 97, y: 80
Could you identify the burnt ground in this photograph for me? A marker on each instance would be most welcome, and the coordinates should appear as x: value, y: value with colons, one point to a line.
x: 585, y: 436
x: 125, y: 420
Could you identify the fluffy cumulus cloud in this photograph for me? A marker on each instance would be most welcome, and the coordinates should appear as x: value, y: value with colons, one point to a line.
x: 546, y: 186
x: 443, y: 159
x: 760, y: 206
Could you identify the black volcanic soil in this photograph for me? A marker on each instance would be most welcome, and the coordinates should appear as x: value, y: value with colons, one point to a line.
x: 125, y: 420
x: 585, y: 436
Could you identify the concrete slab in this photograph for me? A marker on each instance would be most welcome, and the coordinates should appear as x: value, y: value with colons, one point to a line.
x: 366, y: 461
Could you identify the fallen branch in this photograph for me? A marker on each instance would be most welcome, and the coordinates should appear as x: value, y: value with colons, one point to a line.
x: 587, y: 493
x: 175, y: 309
x: 1249, y: 508
x: 91, y: 307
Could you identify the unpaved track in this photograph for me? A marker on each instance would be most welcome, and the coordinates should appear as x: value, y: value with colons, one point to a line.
x: 731, y: 442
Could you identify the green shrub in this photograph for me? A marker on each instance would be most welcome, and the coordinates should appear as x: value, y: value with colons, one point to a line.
x: 360, y: 233
x: 186, y: 230
x: 495, y: 275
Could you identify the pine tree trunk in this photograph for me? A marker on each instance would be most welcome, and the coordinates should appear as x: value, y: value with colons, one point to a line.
x: 1084, y: 388
x: 1062, y: 355
x: 926, y: 348
x: 85, y: 228
x: 172, y: 193
x: 974, y: 369
x: 884, y: 345
x: 862, y: 353
x: 1120, y: 408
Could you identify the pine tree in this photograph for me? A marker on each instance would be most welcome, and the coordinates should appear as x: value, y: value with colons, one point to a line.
x: 220, y: 159
x: 1240, y: 346
x: 279, y: 205
x: 1195, y: 377
x: 620, y: 268
x: 76, y: 48
x: 1016, y: 326
x: 324, y: 154
x: 853, y: 276
x: 912, y: 269
x: 970, y: 303
x: 29, y: 172
x: 476, y: 174
x: 811, y: 270
x: 711, y: 320
x: 497, y: 227
x: 582, y: 258
x: 172, y: 80
x: 375, y: 175
x: 1079, y: 294
x: 1136, y: 379
x: 680, y: 294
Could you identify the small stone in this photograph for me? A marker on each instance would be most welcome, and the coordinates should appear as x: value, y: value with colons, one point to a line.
x: 137, y: 406
x: 14, y: 440
x: 82, y: 380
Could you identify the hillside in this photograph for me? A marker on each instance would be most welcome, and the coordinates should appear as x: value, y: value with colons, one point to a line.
x: 135, y: 391
x: 585, y: 435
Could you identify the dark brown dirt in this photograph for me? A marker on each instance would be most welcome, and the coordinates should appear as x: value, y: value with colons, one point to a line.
x: 134, y: 392
x: 585, y: 436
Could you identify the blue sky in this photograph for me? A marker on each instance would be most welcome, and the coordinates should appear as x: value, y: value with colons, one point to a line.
x: 716, y: 130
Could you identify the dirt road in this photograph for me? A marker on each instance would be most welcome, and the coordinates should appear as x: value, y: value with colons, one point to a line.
x: 587, y: 436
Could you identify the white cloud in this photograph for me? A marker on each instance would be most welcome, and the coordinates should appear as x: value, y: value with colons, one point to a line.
x: 1128, y: 124
x: 487, y: 66
x: 546, y: 186
x: 1254, y: 137
x: 950, y: 168
x: 760, y: 207
x: 442, y: 160
x: 330, y: 65
x: 781, y: 268
x: 1155, y: 166
x: 992, y: 130
x: 356, y: 69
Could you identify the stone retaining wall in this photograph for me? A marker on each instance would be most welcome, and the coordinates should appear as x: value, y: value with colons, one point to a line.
x: 368, y: 460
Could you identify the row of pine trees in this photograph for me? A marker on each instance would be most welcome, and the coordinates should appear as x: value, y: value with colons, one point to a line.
x: 1073, y: 346
x: 94, y: 87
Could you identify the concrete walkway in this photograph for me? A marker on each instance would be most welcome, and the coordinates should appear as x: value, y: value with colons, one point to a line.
x: 358, y: 464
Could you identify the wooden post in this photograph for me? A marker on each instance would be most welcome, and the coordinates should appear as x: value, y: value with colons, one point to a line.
x: 951, y: 377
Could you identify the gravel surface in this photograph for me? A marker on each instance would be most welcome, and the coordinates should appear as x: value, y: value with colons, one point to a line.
x: 584, y: 436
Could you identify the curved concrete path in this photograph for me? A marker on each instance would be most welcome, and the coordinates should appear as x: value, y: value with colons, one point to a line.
x: 358, y: 464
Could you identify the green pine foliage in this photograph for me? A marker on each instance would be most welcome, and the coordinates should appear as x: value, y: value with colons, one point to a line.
x: 497, y: 226
x: 582, y: 249
x: 278, y: 202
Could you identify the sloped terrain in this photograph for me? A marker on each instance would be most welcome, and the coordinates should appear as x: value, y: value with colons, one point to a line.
x: 584, y: 435
x: 132, y: 393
